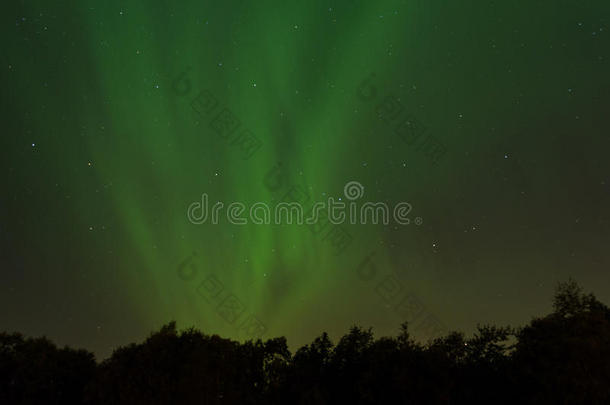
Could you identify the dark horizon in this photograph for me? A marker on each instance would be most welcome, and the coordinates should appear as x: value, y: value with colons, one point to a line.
x: 558, y: 358
x: 282, y: 168
x: 295, y: 347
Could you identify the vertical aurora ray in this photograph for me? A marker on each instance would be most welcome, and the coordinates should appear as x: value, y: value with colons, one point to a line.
x: 119, y: 155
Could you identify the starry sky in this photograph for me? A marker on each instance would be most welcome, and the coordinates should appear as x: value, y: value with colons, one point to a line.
x: 490, y: 118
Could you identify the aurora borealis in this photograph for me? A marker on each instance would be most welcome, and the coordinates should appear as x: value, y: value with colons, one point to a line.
x: 489, y: 118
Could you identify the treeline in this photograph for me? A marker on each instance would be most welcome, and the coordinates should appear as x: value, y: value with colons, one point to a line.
x: 562, y: 358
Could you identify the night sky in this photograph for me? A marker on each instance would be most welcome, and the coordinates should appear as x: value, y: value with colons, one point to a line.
x: 491, y: 119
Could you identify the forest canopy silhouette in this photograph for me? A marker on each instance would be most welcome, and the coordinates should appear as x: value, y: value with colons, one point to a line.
x: 560, y: 358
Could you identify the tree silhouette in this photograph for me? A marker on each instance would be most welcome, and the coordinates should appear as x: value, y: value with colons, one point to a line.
x: 35, y: 371
x: 561, y: 358
x: 564, y: 357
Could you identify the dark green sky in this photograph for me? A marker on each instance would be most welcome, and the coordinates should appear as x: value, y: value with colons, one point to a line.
x: 490, y: 118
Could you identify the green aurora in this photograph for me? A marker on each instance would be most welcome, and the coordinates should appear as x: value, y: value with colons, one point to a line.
x: 109, y: 134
